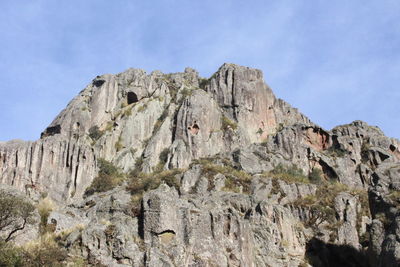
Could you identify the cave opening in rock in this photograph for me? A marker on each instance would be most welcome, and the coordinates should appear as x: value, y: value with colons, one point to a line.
x: 392, y: 148
x: 51, y: 131
x: 98, y: 83
x: 132, y: 98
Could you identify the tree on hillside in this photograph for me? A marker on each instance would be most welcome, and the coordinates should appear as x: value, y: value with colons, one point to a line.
x: 15, y: 214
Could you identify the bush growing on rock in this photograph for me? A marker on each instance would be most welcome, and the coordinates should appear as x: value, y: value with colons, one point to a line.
x: 336, y: 152
x: 236, y: 180
x: 394, y: 197
x: 164, y: 156
x: 142, y: 182
x: 42, y: 252
x: 108, y: 178
x: 15, y: 214
x: 228, y: 124
x: 95, y: 133
x: 315, y: 176
x: 321, y: 205
x: 10, y: 255
x: 291, y: 174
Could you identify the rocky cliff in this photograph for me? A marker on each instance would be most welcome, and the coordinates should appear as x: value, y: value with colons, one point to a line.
x: 209, y: 172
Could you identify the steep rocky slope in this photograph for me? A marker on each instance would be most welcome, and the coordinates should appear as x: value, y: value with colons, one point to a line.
x: 209, y: 172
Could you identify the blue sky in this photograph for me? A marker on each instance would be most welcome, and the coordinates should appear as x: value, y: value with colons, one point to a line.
x: 337, y: 61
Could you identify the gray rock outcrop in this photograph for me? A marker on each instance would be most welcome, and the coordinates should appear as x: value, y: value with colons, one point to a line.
x: 211, y: 172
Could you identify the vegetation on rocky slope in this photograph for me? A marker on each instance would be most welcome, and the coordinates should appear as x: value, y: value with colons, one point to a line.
x: 141, y: 182
x: 108, y: 177
x: 254, y: 169
x: 16, y: 213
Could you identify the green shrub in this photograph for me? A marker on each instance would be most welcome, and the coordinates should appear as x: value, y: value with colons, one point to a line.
x: 321, y: 205
x: 173, y: 91
x: 15, y: 214
x: 138, y: 167
x: 107, y: 167
x: 136, y: 203
x: 110, y: 125
x: 142, y: 182
x: 394, y: 197
x: 365, y: 147
x: 185, y: 92
x: 315, y: 176
x: 290, y: 174
x: 203, y: 82
x: 235, y: 179
x: 118, y: 145
x: 78, y: 262
x: 164, y: 155
x: 44, y: 252
x: 110, y: 230
x: 142, y: 108
x: 127, y: 112
x: 336, y: 152
x: 280, y: 127
x: 228, y: 124
x: 10, y: 256
x: 108, y: 178
x: 383, y: 218
x: 95, y: 133
x: 160, y: 121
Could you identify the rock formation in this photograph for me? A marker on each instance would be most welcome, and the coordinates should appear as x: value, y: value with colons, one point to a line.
x: 211, y: 172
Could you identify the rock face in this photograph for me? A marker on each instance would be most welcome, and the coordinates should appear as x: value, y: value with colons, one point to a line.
x: 133, y: 115
x: 53, y: 165
x: 254, y: 182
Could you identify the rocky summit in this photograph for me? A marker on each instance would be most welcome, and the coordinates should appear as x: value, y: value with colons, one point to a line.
x: 177, y: 170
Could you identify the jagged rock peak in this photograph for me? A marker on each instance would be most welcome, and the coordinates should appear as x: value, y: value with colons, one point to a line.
x: 134, y: 117
x: 188, y: 171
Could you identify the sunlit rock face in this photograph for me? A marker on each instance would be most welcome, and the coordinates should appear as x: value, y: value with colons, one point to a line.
x: 215, y: 172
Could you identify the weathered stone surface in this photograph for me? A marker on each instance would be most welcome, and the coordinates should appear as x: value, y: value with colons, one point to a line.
x: 102, y: 229
x: 60, y: 168
x: 347, y: 207
x: 223, y: 229
x: 385, y: 228
x: 231, y: 211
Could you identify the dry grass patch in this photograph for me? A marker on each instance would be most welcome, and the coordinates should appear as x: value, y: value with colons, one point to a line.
x: 45, y: 207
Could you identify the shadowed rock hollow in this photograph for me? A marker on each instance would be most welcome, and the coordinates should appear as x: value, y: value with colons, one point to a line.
x: 208, y: 172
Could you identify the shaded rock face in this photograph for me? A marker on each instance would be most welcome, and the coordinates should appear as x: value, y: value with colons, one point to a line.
x: 259, y: 184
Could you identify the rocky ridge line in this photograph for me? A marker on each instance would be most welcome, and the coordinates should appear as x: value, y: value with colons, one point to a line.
x: 242, y: 195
